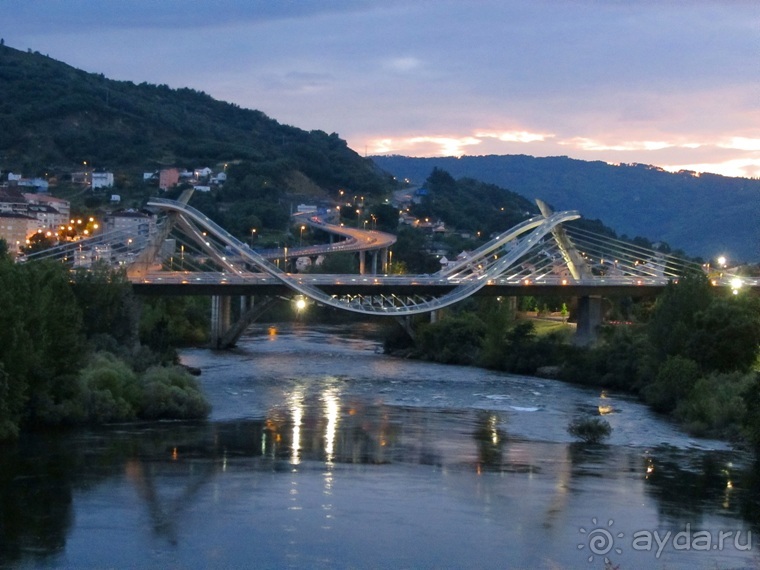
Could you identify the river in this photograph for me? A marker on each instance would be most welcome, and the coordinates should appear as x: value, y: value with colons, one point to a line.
x: 322, y: 453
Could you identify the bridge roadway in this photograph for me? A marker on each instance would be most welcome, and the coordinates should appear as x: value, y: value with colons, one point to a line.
x: 251, y: 284
x: 355, y: 240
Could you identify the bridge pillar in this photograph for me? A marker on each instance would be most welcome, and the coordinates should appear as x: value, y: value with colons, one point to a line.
x: 374, y: 262
x: 249, y: 312
x: 433, y: 317
x: 220, y: 318
x: 589, y: 319
x: 362, y: 259
x: 384, y: 259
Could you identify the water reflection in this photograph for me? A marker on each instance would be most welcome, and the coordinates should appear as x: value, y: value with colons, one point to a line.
x: 169, y: 468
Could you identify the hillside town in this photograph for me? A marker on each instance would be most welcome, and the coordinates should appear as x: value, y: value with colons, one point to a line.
x: 29, y: 214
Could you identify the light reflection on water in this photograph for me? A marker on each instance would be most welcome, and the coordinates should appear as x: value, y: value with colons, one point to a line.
x: 322, y: 453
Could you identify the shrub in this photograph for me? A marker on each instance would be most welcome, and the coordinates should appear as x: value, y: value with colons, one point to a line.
x: 171, y: 393
x: 751, y: 398
x: 453, y: 340
x: 675, y: 380
x: 111, y: 389
x: 590, y: 430
x: 716, y: 406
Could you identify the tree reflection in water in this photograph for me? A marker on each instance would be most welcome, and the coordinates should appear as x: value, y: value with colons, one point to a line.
x: 169, y: 464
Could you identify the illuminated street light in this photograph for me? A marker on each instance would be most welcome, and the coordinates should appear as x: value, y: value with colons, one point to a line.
x: 301, y: 240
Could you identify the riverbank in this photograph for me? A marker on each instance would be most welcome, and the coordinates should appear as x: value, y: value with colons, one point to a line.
x: 693, y: 357
x: 331, y: 455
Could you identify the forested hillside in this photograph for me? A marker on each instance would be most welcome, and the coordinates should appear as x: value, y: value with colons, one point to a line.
x: 703, y: 215
x: 55, y: 118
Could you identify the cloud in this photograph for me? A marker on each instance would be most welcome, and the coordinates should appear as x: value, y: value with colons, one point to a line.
x: 595, y: 145
x: 741, y: 143
x: 72, y: 15
x: 636, y: 81
x: 402, y: 64
x: 423, y: 145
x: 515, y: 136
x: 741, y: 167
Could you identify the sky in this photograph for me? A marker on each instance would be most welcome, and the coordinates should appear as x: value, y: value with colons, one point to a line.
x: 672, y: 83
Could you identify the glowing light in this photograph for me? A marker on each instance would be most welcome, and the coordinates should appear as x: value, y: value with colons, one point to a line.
x: 330, y: 398
x: 296, y: 410
x: 515, y: 136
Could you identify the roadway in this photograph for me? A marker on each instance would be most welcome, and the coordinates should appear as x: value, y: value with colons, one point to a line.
x: 250, y: 283
x: 354, y: 239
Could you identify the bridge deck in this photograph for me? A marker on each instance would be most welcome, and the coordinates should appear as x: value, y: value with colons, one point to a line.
x: 179, y: 283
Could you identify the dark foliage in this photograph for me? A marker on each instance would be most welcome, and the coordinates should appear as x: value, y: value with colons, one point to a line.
x: 56, y: 117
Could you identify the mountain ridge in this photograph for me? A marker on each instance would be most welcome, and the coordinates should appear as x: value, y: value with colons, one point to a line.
x: 57, y: 117
x: 703, y: 214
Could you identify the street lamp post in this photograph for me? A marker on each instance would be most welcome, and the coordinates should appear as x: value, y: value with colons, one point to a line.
x: 253, y: 233
x: 300, y: 243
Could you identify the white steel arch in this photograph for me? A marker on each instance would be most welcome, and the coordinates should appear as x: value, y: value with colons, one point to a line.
x: 466, y: 280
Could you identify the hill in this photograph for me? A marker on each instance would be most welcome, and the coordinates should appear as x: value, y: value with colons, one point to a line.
x: 56, y: 117
x: 704, y: 215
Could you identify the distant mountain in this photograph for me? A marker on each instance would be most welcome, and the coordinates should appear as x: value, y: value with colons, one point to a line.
x: 55, y: 118
x: 704, y: 215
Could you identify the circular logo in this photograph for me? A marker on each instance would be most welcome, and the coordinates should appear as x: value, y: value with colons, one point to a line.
x: 599, y: 540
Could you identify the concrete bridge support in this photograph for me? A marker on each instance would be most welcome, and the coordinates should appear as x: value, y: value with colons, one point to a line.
x: 362, y: 262
x: 220, y: 318
x: 589, y: 319
x: 224, y: 332
x: 384, y: 259
x: 406, y: 324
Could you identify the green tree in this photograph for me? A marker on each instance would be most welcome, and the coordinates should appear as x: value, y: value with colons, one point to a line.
x: 672, y: 319
x: 726, y: 335
x: 109, y: 308
x: 455, y: 339
x: 674, y: 382
x: 39, y: 242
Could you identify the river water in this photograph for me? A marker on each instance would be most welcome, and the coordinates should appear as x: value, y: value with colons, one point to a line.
x: 322, y: 453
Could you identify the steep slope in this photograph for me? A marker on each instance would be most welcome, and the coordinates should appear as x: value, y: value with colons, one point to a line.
x: 56, y: 117
x: 704, y: 215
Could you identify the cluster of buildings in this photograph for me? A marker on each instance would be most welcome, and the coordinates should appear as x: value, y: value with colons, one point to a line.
x: 202, y: 179
x: 22, y: 214
x: 26, y: 207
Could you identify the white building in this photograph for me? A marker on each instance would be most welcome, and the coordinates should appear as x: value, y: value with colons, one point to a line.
x: 135, y: 226
x: 48, y: 218
x: 63, y: 206
x: 102, y: 180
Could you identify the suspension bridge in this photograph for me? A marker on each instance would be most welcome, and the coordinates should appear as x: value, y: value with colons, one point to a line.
x: 190, y: 254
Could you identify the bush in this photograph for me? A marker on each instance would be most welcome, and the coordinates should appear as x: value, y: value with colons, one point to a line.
x: 590, y: 430
x: 171, y: 393
x: 111, y: 389
x: 716, y: 406
x: 751, y: 398
x: 453, y: 340
x: 675, y: 380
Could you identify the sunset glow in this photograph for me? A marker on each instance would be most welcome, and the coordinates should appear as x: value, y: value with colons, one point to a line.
x: 658, y: 83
